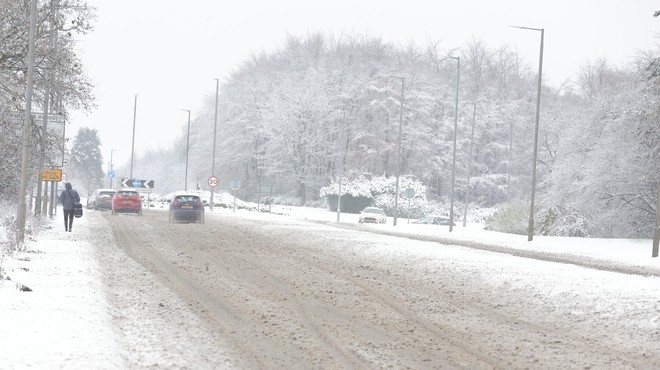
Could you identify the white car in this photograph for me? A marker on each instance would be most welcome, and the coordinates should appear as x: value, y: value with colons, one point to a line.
x: 372, y: 215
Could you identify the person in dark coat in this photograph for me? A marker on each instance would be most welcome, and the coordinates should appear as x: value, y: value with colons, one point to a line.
x: 68, y: 198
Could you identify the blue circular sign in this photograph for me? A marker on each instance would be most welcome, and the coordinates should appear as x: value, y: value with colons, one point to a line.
x: 137, y: 183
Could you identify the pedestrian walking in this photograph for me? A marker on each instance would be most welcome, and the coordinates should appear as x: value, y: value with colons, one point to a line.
x: 68, y: 198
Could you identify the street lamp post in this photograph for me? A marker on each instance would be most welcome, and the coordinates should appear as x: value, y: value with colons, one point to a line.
x: 133, y: 141
x: 185, y: 187
x: 467, y: 191
x: 44, y: 126
x: 215, y: 129
x: 530, y: 228
x: 398, y: 157
x: 111, y: 167
x: 453, y: 165
x: 656, y: 231
x: 344, y: 145
x: 54, y: 186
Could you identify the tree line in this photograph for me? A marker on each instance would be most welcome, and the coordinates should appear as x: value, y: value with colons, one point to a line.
x: 294, y: 117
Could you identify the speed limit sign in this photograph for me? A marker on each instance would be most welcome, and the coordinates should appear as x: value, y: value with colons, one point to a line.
x: 213, y: 181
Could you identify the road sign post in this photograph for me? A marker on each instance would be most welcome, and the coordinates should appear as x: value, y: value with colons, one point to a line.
x: 235, y: 185
x: 135, y: 183
x: 111, y: 176
x: 213, y: 182
x: 264, y: 189
x: 54, y: 175
x: 409, y: 193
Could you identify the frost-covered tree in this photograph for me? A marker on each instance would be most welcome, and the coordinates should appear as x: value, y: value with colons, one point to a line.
x: 57, y: 69
x: 57, y: 65
x: 86, y: 160
x: 604, y: 178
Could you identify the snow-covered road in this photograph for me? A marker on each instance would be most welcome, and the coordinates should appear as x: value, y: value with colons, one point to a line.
x: 248, y: 290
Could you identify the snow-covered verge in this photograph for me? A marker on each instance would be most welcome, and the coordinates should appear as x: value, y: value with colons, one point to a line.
x: 77, y: 301
x: 54, y: 311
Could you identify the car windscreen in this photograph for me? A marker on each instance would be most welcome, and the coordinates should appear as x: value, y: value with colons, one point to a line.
x: 127, y: 194
x: 373, y: 210
x: 186, y: 199
x: 108, y: 193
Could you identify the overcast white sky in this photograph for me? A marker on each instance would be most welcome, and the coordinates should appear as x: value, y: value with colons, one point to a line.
x: 170, y: 52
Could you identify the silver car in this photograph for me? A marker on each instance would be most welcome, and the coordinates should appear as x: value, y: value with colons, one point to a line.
x: 372, y: 215
x: 434, y: 220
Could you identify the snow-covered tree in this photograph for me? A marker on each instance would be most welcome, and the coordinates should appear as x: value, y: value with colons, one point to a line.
x: 86, y: 160
x: 606, y: 169
x: 57, y: 70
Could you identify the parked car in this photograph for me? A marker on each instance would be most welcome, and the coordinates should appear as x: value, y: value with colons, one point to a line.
x: 127, y: 201
x: 186, y: 208
x: 433, y: 220
x: 372, y: 215
x: 101, y: 199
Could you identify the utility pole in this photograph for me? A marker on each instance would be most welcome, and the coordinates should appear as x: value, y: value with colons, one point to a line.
x: 398, y: 157
x: 133, y: 141
x: 54, y: 185
x: 467, y: 190
x: 215, y: 129
x: 111, y: 168
x: 44, y: 125
x: 530, y: 227
x: 341, y: 168
x: 185, y: 186
x: 656, y: 233
x: 27, y: 122
x: 453, y: 165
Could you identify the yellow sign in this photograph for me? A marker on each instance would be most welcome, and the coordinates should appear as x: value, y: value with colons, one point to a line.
x: 52, y: 175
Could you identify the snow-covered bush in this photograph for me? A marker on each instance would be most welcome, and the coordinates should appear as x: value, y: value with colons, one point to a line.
x: 8, y: 242
x: 488, y: 190
x: 510, y: 218
x: 559, y: 221
x: 479, y: 215
x: 8, y: 227
x: 360, y: 187
x: 378, y: 191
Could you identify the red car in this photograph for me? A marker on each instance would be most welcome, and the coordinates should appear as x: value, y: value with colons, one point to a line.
x: 127, y: 201
x: 101, y: 199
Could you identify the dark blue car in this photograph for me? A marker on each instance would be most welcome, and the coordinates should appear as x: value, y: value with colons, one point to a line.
x: 187, y: 208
